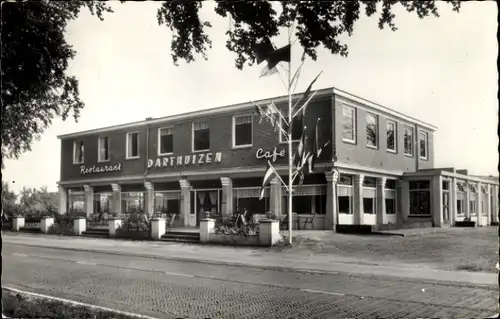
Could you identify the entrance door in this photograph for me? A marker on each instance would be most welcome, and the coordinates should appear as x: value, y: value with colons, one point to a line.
x: 446, y: 207
x: 205, y: 201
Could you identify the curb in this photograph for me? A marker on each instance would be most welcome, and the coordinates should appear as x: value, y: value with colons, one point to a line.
x: 76, y: 303
x: 263, y: 267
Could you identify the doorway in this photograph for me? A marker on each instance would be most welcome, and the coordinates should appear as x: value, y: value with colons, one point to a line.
x: 446, y: 202
x: 203, y: 201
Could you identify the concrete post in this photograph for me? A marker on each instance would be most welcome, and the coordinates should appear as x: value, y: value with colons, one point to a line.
x: 227, y: 196
x: 185, y: 208
x: 158, y: 228
x: 149, y: 205
x: 269, y: 232
x: 437, y: 200
x: 453, y: 199
x: 114, y: 224
x: 79, y: 225
x: 63, y: 199
x: 46, y: 223
x: 17, y: 222
x: 467, y: 200
x: 358, y: 200
x: 488, y: 205
x: 116, y: 202
x: 494, y: 204
x: 89, y: 200
x: 479, y: 208
x: 331, y: 218
x: 276, y: 197
x: 381, y: 200
x: 404, y: 200
x: 207, y: 227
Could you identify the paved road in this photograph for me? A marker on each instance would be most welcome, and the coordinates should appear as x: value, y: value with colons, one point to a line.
x: 172, y: 289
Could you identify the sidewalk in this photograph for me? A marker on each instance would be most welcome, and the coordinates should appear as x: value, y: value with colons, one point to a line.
x: 253, y: 257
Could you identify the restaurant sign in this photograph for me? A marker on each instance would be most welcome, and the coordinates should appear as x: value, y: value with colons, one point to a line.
x: 273, y: 155
x: 177, y: 161
x: 100, y: 169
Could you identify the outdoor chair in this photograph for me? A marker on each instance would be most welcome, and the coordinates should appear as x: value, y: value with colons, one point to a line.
x: 309, y: 220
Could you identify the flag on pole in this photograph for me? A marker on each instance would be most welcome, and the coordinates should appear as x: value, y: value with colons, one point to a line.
x: 317, y: 149
x: 268, y: 176
x: 265, y: 51
x: 305, y: 97
x: 299, y: 152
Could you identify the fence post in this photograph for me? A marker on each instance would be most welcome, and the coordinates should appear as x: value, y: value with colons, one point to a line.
x: 207, y: 226
x: 45, y: 223
x: 269, y: 232
x: 157, y: 228
x: 17, y: 222
x: 114, y: 224
x: 79, y: 225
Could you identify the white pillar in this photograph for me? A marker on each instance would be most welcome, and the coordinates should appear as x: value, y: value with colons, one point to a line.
x: 403, y: 193
x: 185, y: 209
x: 114, y: 224
x: 381, y: 200
x: 358, y: 200
x: 158, y: 228
x: 89, y: 200
x: 63, y: 199
x: 227, y: 196
x: 149, y: 199
x: 79, y: 225
x: 479, y: 208
x: 269, y: 232
x: 453, y: 201
x: 331, y: 218
x: 116, y: 207
x: 276, y: 197
x: 488, y: 205
x: 467, y: 200
x: 45, y: 223
x: 17, y: 222
x: 437, y: 200
x: 207, y: 227
x: 494, y: 204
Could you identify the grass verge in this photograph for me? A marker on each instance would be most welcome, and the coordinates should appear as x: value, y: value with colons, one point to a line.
x: 16, y: 305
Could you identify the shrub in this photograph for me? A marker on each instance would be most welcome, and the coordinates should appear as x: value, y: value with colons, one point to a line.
x: 63, y: 225
x: 236, y: 225
x: 135, y: 222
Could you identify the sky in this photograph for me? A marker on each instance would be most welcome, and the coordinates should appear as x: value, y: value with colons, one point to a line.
x: 439, y: 70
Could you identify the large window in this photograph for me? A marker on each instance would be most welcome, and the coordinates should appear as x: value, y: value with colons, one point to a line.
x: 103, y: 146
x: 297, y: 126
x: 348, y: 124
x: 76, y: 203
x: 242, y: 130
x: 132, y: 202
x: 201, y: 136
x: 408, y: 141
x: 165, y: 141
x: 344, y: 194
x: 391, y: 136
x: 369, y: 195
x: 371, y: 130
x: 423, y: 145
x: 132, y: 145
x: 473, y: 203
x: 420, y: 198
x: 168, y: 202
x: 247, y: 198
x: 460, y: 199
x: 78, y: 150
x: 307, y: 200
x: 102, y: 203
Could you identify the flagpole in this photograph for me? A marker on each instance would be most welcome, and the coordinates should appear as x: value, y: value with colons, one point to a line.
x: 290, y: 161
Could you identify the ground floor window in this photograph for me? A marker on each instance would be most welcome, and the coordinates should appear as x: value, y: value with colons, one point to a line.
x: 369, y: 195
x: 307, y: 199
x: 102, y: 203
x: 473, y: 204
x: 76, y: 203
x: 390, y: 206
x: 420, y: 198
x: 167, y: 203
x: 247, y: 198
x: 344, y: 195
x: 132, y: 202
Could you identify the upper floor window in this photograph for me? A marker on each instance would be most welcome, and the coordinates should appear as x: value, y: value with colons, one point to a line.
x: 297, y: 126
x: 371, y: 130
x: 408, y: 141
x: 165, y: 140
x: 201, y: 136
x: 391, y: 136
x: 242, y: 130
x: 103, y: 146
x: 132, y: 146
x: 423, y: 145
x: 78, y: 150
x: 348, y: 124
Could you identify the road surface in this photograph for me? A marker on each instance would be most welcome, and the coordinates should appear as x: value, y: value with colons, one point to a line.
x: 174, y: 289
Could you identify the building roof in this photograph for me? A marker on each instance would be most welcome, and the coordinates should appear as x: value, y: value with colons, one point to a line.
x: 246, y: 105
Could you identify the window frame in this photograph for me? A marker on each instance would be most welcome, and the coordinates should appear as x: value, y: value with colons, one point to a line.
x: 426, y: 135
x: 159, y: 140
x: 376, y: 117
x: 192, y: 136
x: 75, y: 146
x: 412, y: 149
x: 354, y: 124
x: 234, y: 131
x: 99, y: 159
x: 428, y: 189
x: 128, y: 134
x: 395, y: 136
